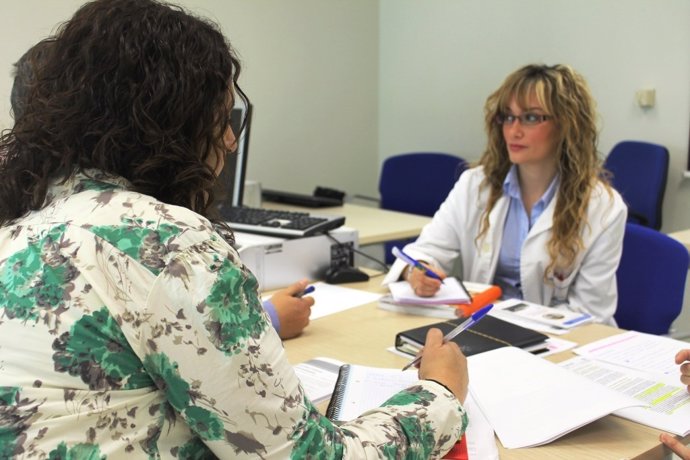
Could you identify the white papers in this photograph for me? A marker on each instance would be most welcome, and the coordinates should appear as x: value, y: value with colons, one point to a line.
x: 369, y: 387
x: 481, y: 442
x: 541, y: 327
x: 669, y: 402
x: 436, y: 311
x: 451, y: 292
x: 557, y: 317
x: 329, y: 299
x: 550, y: 346
x: 645, y: 352
x: 318, y: 377
x: 642, y: 365
x: 530, y: 401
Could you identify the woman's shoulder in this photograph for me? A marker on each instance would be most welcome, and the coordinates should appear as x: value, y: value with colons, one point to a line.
x: 473, y: 176
x: 115, y: 213
x: 606, y: 201
x: 604, y: 193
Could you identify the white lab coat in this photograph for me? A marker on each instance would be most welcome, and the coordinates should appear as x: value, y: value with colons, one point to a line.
x: 589, y: 287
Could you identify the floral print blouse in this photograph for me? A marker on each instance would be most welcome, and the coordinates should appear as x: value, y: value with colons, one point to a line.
x: 130, y: 329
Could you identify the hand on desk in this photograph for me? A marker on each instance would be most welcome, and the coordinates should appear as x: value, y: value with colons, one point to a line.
x: 293, y: 311
x: 444, y: 363
x: 682, y: 358
x: 423, y: 285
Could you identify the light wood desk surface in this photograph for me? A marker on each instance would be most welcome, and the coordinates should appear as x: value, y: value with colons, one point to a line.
x: 683, y: 236
x: 362, y: 334
x: 373, y: 224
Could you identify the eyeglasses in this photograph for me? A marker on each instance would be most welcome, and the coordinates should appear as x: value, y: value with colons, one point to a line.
x: 526, y: 119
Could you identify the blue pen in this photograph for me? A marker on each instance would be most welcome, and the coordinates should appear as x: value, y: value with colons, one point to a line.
x: 468, y: 323
x: 414, y: 263
x: 578, y: 319
x: 307, y: 290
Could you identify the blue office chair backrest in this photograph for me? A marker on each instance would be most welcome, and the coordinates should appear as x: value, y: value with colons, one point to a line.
x: 639, y: 173
x: 417, y: 183
x: 651, y: 280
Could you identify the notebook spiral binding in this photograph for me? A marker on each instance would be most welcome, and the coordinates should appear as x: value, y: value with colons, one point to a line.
x: 334, y: 406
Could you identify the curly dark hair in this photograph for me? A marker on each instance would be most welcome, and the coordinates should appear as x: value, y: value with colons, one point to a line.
x: 135, y: 88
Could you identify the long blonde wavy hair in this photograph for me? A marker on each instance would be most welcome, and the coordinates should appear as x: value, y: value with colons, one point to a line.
x: 564, y: 95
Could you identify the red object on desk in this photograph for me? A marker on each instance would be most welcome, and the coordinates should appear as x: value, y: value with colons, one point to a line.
x: 459, y: 450
x: 480, y: 300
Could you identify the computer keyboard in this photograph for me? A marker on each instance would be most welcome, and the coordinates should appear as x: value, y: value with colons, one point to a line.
x: 274, y: 222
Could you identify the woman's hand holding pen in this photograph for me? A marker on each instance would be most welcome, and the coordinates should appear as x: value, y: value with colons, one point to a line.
x: 444, y: 363
x: 422, y: 284
x: 293, y: 310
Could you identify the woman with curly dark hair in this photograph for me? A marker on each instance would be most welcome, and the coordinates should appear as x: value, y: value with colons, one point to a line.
x: 536, y: 216
x: 128, y: 325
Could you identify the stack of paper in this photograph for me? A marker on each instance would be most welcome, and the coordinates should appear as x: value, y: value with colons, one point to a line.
x: 387, y: 302
x: 642, y: 366
x: 530, y: 401
x: 451, y: 292
x: 318, y: 377
x: 540, y: 314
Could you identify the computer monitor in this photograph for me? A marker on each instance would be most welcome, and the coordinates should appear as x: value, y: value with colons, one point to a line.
x: 229, y: 188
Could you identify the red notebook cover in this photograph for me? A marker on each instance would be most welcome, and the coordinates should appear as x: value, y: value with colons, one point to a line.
x: 459, y: 450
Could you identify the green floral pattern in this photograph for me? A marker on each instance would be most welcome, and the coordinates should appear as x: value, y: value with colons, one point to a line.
x: 129, y: 328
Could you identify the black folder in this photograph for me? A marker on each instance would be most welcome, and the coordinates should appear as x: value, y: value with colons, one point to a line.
x: 489, y: 333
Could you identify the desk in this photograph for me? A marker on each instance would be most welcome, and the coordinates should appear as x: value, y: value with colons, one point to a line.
x: 683, y: 236
x: 373, y: 224
x: 373, y: 330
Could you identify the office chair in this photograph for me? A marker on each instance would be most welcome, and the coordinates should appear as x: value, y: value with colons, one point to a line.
x: 651, y: 280
x: 417, y: 183
x: 639, y: 173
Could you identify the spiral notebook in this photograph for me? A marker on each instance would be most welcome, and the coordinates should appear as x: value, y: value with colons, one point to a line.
x: 361, y: 388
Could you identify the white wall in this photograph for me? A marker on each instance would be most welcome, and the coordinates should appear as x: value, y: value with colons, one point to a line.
x: 310, y: 69
x: 440, y: 59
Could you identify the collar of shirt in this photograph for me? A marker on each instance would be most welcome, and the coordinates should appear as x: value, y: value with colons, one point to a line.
x: 516, y: 227
x: 90, y: 179
x: 511, y: 188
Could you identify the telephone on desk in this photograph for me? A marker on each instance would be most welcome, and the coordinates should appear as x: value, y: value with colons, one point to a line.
x: 322, y: 197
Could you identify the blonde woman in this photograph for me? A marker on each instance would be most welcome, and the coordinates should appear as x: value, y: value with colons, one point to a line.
x: 535, y: 215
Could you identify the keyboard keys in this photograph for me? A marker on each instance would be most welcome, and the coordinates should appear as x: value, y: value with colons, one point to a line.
x: 278, y: 222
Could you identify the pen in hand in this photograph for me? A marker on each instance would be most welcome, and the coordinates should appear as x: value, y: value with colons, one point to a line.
x: 469, y: 322
x: 397, y: 252
x: 307, y: 290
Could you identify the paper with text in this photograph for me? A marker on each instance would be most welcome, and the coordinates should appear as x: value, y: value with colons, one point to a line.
x: 668, y: 402
x: 636, y: 350
x: 318, y: 377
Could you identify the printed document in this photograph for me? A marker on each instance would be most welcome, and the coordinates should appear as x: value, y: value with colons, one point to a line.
x: 644, y: 352
x: 668, y: 402
x: 643, y: 366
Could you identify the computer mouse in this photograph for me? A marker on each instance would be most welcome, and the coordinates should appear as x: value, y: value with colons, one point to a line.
x: 344, y: 274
